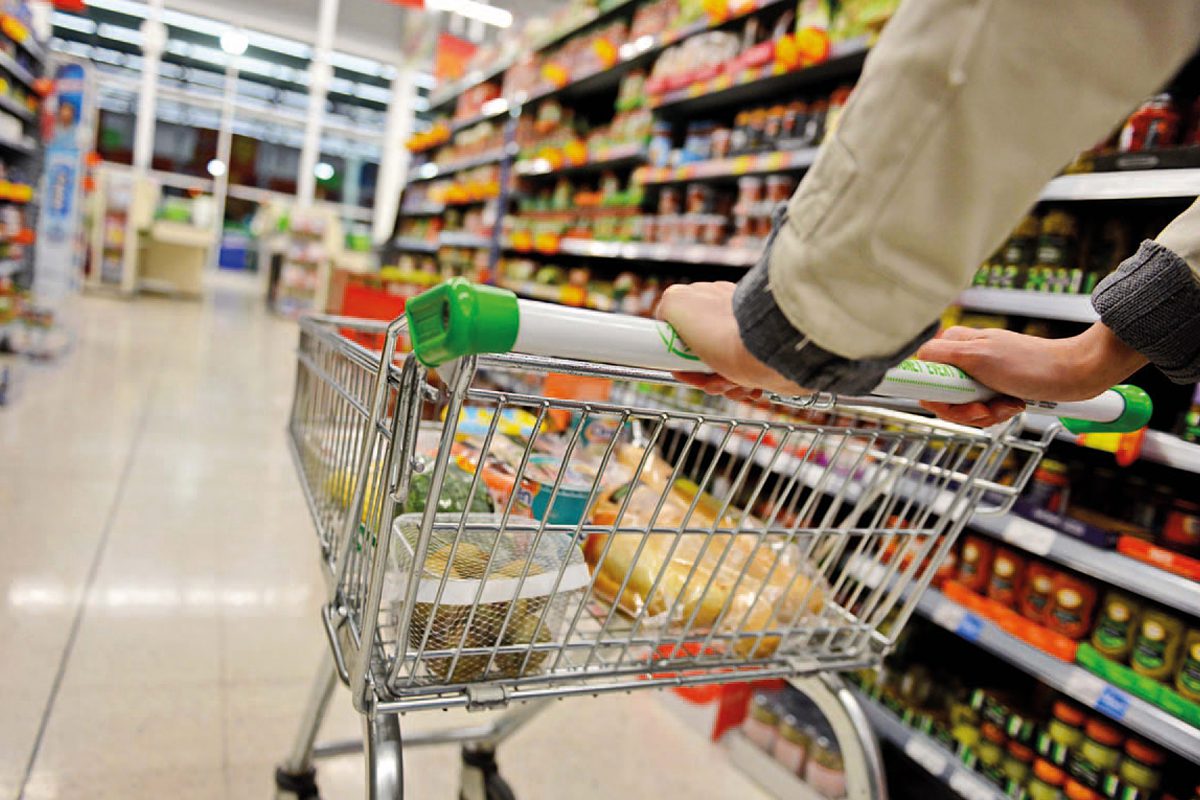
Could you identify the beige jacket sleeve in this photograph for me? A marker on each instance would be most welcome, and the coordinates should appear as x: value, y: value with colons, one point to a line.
x: 965, y: 109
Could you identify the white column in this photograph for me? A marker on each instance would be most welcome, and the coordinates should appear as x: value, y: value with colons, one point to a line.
x: 318, y: 85
x: 154, y: 39
x: 224, y: 153
x: 393, y: 165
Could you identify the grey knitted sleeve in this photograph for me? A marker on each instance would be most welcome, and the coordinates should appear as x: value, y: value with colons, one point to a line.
x: 1152, y: 304
x: 772, y: 339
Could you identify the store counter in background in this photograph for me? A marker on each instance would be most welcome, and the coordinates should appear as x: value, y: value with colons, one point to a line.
x: 173, y: 257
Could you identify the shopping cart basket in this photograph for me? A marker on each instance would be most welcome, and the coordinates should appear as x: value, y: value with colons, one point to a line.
x: 528, y: 522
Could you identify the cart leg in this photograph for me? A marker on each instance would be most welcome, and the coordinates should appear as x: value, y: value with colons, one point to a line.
x: 860, y: 750
x: 296, y: 778
x: 385, y: 763
x: 480, y: 778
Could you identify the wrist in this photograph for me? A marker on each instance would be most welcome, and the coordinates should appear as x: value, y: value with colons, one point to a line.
x: 1098, y: 359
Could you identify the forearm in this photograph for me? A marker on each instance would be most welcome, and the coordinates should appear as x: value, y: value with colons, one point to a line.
x: 956, y: 125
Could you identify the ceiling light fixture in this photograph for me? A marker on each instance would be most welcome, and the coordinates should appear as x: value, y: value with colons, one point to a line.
x: 471, y: 9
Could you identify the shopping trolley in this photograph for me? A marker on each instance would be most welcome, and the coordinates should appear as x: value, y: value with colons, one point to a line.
x: 505, y: 517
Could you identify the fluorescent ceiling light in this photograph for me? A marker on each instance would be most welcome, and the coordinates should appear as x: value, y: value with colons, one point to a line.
x: 73, y: 23
x: 216, y: 167
x: 119, y: 34
x: 323, y: 171
x: 234, y: 42
x: 471, y: 9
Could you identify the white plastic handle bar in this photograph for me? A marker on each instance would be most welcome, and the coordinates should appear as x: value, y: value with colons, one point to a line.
x: 458, y: 318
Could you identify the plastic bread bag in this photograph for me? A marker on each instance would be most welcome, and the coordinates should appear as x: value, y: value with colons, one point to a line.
x: 735, y: 580
x: 499, y: 591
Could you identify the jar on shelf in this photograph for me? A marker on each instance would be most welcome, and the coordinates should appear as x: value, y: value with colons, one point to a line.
x: 762, y: 720
x: 791, y: 744
x: 826, y: 771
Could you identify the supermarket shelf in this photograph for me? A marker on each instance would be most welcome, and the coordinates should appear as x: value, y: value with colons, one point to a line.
x: 422, y: 209
x: 1157, y: 446
x: 764, y: 770
x: 614, y: 158
x: 641, y: 51
x: 595, y: 20
x: 732, y: 167
x: 427, y: 172
x: 1107, y: 565
x: 416, y: 245
x: 461, y: 239
x: 927, y: 753
x: 1091, y: 690
x: 1046, y: 305
x: 469, y: 81
x: 491, y: 109
x: 24, y: 145
x: 646, y: 251
x: 533, y: 290
x: 13, y: 107
x: 24, y: 38
x: 11, y: 266
x: 9, y: 64
x: 846, y: 61
x: 1132, y: 185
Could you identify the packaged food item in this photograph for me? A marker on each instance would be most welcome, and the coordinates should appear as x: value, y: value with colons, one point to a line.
x: 1157, y: 646
x: 1154, y: 124
x: 1008, y: 569
x: 826, y: 771
x: 1187, y: 679
x: 699, y: 198
x: 1074, y: 790
x: 779, y: 188
x: 668, y: 201
x: 791, y: 745
x: 990, y: 748
x: 1018, y: 759
x: 1050, y: 486
x: 721, y: 138
x: 761, y: 721
x: 1181, y: 528
x: 506, y: 590
x: 1190, y: 424
x: 695, y: 573
x: 975, y: 563
x: 1072, y: 603
x: 1142, y: 765
x: 1098, y: 753
x: 1054, y: 269
x: 1116, y: 626
x: 1066, y: 725
x: 712, y: 229
x: 1047, y: 781
x: 1037, y: 591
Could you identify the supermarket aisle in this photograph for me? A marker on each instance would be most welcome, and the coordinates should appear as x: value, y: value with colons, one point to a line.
x: 159, y: 586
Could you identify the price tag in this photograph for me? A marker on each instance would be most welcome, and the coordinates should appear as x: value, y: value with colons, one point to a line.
x: 949, y: 616
x: 1085, y: 687
x: 925, y: 754
x: 970, y: 628
x: 1113, y: 702
x: 969, y: 787
x: 1037, y: 539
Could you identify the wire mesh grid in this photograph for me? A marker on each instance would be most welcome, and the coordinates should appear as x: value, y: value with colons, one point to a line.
x: 548, y: 527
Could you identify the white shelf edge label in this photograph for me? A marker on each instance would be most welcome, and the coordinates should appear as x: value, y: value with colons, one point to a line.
x: 1085, y: 687
x: 1037, y: 539
x: 969, y: 787
x: 925, y: 754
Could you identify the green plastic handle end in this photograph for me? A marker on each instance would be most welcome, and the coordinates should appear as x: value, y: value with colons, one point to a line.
x: 459, y: 318
x: 1138, y: 410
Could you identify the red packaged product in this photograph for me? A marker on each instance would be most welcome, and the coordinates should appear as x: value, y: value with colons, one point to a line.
x: 1008, y: 573
x: 975, y: 563
x: 1036, y: 592
x: 1154, y: 125
x: 1072, y: 602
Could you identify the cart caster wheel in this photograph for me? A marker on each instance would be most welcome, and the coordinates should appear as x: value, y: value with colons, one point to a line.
x: 292, y: 786
x: 481, y: 779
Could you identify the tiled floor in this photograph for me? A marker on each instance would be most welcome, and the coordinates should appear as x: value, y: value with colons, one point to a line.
x: 159, y: 586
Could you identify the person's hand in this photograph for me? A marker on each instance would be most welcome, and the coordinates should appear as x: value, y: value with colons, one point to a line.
x: 702, y: 315
x: 1029, y: 368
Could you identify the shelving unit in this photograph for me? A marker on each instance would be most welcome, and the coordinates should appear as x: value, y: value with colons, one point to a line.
x: 21, y: 151
x: 16, y: 70
x: 1132, y: 185
x: 427, y: 172
x: 653, y: 251
x: 927, y: 753
x: 615, y: 158
x: 765, y: 770
x: 1136, y: 714
x: 460, y: 239
x: 733, y: 167
x: 1109, y: 566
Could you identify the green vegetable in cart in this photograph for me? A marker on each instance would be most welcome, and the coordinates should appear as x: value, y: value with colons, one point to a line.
x: 455, y: 496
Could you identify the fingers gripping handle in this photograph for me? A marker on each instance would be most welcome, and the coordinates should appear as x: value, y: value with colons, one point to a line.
x: 459, y: 318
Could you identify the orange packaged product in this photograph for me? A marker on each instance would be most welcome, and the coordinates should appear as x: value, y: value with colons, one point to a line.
x: 1071, y: 606
x: 1008, y: 573
x: 975, y: 563
x: 1036, y: 592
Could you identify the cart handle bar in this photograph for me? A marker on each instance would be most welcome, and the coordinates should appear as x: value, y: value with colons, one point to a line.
x: 459, y: 318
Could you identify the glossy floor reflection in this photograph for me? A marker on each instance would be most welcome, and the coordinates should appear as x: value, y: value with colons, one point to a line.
x: 159, y: 586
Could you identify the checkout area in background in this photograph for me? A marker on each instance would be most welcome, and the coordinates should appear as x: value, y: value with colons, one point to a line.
x: 144, y: 238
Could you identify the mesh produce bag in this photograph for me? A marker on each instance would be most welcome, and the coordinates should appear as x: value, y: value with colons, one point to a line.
x: 497, y: 595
